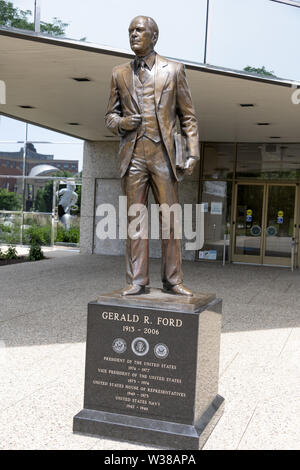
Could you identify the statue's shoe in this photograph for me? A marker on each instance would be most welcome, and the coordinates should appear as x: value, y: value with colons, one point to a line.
x: 133, y: 289
x: 179, y: 289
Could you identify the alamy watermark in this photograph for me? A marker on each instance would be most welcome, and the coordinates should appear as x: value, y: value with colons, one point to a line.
x: 2, y: 92
x: 159, y: 221
x: 295, y: 97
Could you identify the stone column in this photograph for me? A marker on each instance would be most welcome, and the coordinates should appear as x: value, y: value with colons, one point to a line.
x: 101, y: 184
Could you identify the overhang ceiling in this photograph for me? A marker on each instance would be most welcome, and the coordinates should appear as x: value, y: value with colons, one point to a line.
x: 39, y: 71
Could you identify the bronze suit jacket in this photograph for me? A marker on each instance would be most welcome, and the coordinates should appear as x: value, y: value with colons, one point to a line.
x: 172, y: 99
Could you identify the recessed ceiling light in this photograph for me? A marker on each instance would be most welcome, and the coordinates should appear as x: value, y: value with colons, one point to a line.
x: 262, y: 123
x: 26, y: 106
x: 81, y: 79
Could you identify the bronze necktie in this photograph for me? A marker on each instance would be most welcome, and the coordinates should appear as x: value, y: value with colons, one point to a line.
x: 143, y: 72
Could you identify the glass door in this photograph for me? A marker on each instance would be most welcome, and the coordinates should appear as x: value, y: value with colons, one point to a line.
x: 279, y: 225
x: 264, y: 224
x: 248, y: 223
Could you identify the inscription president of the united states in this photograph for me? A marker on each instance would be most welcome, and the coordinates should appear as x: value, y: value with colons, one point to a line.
x: 147, y: 95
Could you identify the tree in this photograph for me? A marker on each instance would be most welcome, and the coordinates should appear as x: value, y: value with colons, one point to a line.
x: 44, y: 197
x: 260, y: 71
x: 16, y: 18
x: 10, y: 201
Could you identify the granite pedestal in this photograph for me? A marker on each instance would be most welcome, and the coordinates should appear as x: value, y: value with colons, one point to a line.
x: 152, y: 366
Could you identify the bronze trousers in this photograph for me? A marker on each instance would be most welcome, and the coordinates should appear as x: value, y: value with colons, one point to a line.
x: 150, y: 166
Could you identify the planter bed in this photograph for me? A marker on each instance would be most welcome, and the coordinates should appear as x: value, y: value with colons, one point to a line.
x: 21, y: 259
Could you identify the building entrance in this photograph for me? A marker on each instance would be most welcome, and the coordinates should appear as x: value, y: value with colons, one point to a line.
x: 264, y: 223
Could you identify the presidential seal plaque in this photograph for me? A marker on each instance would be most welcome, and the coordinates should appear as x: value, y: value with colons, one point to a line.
x: 152, y: 366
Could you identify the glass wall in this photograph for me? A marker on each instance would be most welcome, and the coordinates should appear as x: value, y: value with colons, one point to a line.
x: 216, y: 197
x: 255, y: 33
x: 268, y: 161
x: 40, y: 185
x: 253, y: 166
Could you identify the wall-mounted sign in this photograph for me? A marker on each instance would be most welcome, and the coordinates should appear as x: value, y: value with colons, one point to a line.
x: 271, y: 231
x: 280, y: 217
x: 255, y: 231
x: 216, y: 208
x: 249, y: 215
x: 208, y: 254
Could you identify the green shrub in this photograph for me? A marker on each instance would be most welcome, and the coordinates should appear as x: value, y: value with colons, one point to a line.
x: 5, y: 228
x: 38, y: 235
x: 35, y: 253
x: 11, y: 253
x: 67, y: 236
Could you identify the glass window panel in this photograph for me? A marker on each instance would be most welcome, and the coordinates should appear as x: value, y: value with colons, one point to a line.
x: 268, y: 161
x: 99, y: 23
x: 248, y: 220
x: 280, y: 221
x: 216, y: 195
x: 218, y: 160
x: 49, y: 159
x: 68, y: 202
x: 38, y: 195
x: 24, y: 5
x: 11, y: 190
x: 12, y: 130
x: 256, y: 33
x: 39, y: 134
x: 10, y: 228
x: 10, y: 210
x: 37, y: 226
x: 11, y: 159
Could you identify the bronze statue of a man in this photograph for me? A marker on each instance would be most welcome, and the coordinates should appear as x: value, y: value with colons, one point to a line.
x: 147, y: 95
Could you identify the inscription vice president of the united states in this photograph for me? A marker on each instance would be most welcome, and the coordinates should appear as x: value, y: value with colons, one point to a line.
x: 146, y: 97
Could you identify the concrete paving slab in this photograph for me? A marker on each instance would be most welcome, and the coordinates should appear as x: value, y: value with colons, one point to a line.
x: 43, y: 309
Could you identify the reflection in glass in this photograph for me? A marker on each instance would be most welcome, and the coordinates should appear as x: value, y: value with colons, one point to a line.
x: 11, y: 159
x: 12, y: 129
x: 216, y: 197
x: 265, y: 29
x: 68, y: 202
x: 90, y: 19
x: 280, y: 221
x: 11, y: 191
x: 49, y: 159
x: 10, y: 228
x: 35, y: 226
x: 268, y: 161
x: 38, y: 195
x: 248, y: 220
x: 218, y: 160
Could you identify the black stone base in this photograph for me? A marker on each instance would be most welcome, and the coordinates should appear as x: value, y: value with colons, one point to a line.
x: 152, y: 369
x: 155, y: 432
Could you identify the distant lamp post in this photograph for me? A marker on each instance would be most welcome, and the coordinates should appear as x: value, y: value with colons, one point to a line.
x: 37, y: 16
x: 206, y: 32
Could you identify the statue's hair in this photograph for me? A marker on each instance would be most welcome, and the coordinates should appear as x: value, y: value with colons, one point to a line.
x: 151, y: 23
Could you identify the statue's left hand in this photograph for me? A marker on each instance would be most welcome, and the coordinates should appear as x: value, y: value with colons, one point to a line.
x: 190, y: 165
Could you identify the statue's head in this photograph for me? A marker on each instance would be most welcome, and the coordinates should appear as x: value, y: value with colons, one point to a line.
x: 71, y: 185
x: 143, y: 35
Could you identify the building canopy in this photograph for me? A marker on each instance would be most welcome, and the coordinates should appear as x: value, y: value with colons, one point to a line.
x: 64, y: 85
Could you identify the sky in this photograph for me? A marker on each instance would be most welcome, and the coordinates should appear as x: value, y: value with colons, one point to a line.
x: 240, y: 32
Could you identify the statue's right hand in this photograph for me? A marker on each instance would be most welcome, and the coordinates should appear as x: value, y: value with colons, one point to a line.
x: 129, y: 123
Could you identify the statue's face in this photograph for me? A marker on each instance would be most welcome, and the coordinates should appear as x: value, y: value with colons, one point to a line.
x: 141, y: 37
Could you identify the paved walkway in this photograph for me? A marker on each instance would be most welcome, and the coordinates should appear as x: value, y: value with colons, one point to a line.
x: 42, y: 337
